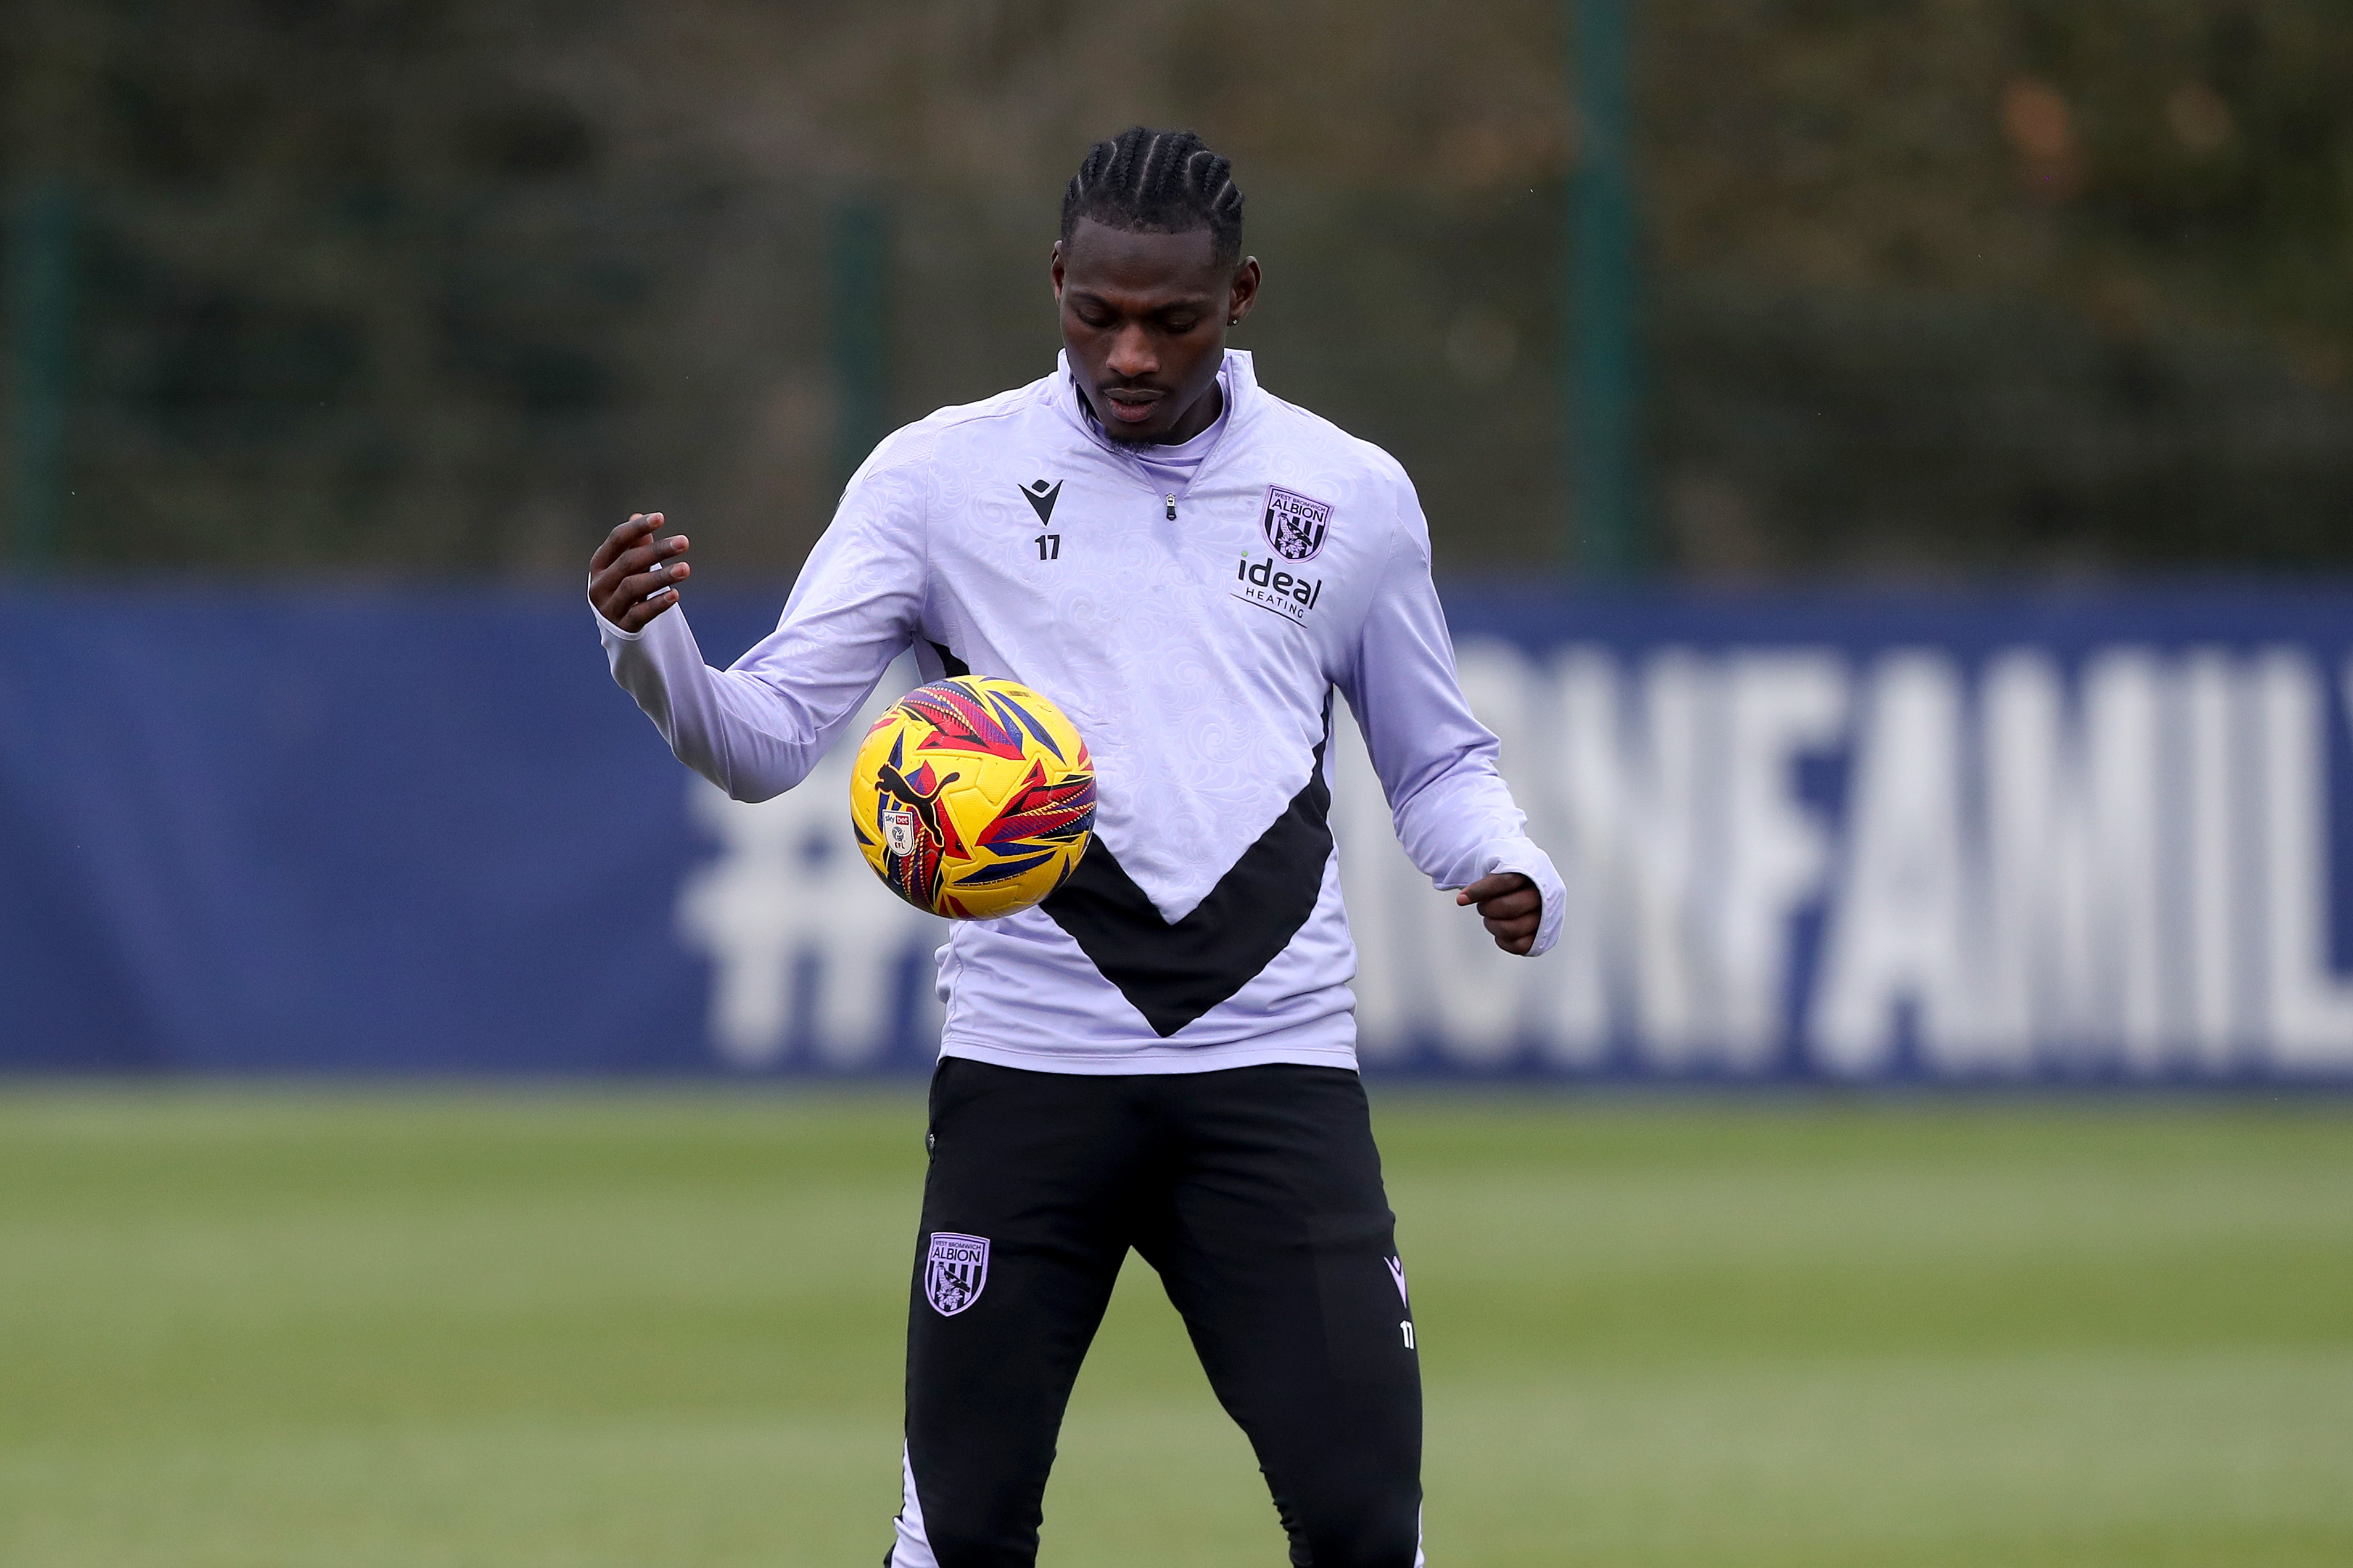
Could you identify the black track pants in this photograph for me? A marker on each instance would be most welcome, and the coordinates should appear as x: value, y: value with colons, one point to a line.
x: 1256, y: 1194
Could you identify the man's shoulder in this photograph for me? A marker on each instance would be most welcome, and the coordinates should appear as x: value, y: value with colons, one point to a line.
x: 1290, y: 425
x: 948, y: 433
x: 1336, y: 469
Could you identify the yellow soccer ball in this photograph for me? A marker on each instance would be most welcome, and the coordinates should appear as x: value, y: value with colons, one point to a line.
x: 973, y: 799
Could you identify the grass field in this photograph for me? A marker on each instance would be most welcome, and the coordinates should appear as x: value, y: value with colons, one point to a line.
x: 410, y: 1330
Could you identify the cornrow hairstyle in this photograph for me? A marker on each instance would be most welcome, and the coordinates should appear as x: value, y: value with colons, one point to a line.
x: 1157, y: 181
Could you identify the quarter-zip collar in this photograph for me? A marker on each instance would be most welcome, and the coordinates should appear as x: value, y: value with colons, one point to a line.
x: 1237, y: 382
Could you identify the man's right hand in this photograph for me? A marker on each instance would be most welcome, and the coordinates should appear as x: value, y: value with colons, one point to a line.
x: 633, y: 576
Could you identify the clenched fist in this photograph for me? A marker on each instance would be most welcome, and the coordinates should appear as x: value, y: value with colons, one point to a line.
x: 1510, y: 905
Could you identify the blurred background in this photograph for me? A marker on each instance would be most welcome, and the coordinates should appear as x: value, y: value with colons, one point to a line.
x: 1890, y: 467
x: 1912, y: 290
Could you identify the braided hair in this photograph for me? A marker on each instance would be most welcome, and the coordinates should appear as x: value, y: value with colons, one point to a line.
x: 1157, y: 181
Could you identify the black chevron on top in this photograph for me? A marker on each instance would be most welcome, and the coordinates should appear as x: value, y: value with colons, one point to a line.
x: 1173, y: 974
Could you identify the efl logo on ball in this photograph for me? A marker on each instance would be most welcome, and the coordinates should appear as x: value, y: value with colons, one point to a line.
x: 956, y: 1271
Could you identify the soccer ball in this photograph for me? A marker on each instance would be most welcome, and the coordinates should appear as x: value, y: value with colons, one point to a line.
x: 973, y: 799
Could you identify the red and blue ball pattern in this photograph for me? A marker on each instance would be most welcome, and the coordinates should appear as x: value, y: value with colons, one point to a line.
x: 972, y: 797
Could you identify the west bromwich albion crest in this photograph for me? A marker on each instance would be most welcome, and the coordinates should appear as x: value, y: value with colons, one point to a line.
x: 956, y: 1271
x: 1294, y: 526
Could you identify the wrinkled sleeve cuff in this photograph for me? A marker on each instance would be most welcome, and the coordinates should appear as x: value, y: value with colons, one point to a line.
x: 609, y: 633
x: 1520, y: 855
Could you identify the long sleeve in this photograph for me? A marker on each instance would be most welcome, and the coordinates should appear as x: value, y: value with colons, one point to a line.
x: 756, y: 728
x: 1453, y: 813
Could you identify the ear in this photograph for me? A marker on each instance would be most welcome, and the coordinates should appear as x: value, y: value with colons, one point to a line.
x: 1057, y: 272
x: 1244, y: 291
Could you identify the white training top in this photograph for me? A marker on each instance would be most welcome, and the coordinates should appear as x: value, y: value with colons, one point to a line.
x: 1195, y: 634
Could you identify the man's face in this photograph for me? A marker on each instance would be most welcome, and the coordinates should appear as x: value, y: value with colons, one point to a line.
x: 1144, y: 317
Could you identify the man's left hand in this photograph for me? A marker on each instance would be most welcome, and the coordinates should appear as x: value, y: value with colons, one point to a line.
x: 1510, y: 905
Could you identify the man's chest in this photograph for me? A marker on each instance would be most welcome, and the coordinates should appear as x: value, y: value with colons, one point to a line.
x: 1114, y: 568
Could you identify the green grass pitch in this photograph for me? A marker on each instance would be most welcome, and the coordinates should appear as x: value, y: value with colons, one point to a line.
x: 406, y: 1329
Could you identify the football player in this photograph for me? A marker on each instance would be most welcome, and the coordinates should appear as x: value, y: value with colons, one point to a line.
x: 1161, y: 1055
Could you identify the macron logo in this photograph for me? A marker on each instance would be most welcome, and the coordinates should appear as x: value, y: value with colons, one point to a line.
x: 1041, y: 497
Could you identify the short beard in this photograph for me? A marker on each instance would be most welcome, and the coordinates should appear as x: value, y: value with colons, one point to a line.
x: 1112, y: 434
x: 1110, y: 431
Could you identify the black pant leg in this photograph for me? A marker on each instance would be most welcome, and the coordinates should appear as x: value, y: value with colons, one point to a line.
x: 1040, y: 1167
x: 1278, y: 1247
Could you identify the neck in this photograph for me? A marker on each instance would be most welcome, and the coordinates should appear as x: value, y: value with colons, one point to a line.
x: 1197, y: 418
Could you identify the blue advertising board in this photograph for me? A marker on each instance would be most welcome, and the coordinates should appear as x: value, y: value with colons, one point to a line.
x: 1844, y: 836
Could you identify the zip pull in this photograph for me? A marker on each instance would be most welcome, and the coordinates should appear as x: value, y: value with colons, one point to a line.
x: 1172, y: 506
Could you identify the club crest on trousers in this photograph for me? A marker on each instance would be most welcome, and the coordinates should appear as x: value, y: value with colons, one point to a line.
x: 956, y: 1271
